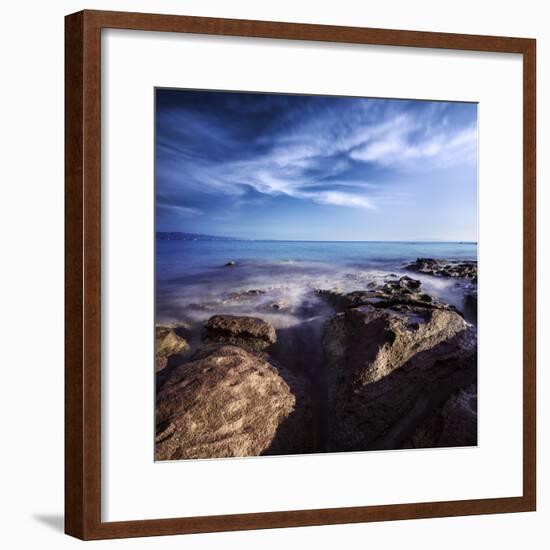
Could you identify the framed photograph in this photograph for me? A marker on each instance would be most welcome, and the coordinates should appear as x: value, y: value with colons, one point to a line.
x: 300, y: 275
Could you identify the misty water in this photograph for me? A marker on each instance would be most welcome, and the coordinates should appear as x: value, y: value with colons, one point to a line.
x: 192, y: 278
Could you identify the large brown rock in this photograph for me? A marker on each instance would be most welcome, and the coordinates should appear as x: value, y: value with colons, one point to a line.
x: 250, y: 333
x: 228, y: 402
x: 170, y: 344
x: 389, y: 369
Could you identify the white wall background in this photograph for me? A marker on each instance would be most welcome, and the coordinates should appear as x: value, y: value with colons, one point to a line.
x: 31, y: 214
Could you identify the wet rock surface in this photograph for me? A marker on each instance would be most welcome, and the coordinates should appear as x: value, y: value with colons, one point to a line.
x: 229, y: 402
x: 245, y: 295
x: 251, y: 333
x: 445, y: 268
x: 402, y: 294
x: 465, y: 272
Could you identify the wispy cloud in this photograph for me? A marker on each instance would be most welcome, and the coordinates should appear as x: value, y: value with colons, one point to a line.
x: 179, y: 209
x: 337, y: 152
x: 343, y: 199
x: 402, y: 147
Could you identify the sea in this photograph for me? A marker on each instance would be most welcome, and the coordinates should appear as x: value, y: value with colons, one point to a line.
x: 194, y: 281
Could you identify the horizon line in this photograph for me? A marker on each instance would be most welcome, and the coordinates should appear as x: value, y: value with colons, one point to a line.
x: 231, y: 238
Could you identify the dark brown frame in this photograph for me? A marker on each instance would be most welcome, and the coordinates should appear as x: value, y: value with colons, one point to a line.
x: 83, y: 273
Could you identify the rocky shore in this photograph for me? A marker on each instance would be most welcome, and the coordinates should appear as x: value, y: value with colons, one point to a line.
x: 445, y: 268
x: 395, y: 367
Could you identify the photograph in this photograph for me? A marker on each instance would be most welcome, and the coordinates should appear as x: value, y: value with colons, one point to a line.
x: 252, y: 236
x: 315, y: 274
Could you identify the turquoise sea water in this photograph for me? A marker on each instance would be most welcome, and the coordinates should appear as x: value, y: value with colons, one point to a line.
x: 193, y: 282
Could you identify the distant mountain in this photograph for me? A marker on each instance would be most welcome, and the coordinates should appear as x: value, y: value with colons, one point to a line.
x: 179, y: 236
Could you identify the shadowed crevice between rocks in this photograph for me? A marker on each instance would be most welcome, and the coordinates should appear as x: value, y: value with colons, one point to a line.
x: 383, y: 414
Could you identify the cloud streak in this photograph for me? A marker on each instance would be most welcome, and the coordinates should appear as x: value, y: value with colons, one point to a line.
x: 343, y: 199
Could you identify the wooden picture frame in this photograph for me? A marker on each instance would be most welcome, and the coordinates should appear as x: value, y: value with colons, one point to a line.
x: 83, y: 274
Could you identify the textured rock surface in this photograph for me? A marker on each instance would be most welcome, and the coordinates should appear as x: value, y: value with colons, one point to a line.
x: 170, y: 345
x: 454, y: 424
x: 250, y: 333
x: 445, y: 268
x: 389, y: 369
x: 228, y: 402
x: 403, y: 294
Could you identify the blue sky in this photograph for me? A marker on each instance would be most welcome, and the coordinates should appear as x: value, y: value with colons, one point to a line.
x: 294, y: 167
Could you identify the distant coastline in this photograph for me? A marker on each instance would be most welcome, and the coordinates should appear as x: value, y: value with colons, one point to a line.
x: 183, y: 236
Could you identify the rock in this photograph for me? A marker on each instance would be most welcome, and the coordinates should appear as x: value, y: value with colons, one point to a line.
x: 250, y: 333
x: 245, y: 295
x: 403, y: 294
x: 454, y: 424
x: 170, y: 344
x: 445, y: 268
x: 204, y: 306
x: 335, y: 297
x: 388, y: 370
x: 231, y: 263
x: 277, y: 305
x: 470, y: 303
x: 228, y: 402
x: 408, y: 282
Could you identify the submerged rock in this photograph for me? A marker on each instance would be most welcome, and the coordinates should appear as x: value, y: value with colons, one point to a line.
x: 231, y: 263
x: 388, y: 369
x: 204, y: 306
x: 170, y: 344
x: 228, y: 402
x: 277, y: 305
x: 245, y: 295
x: 445, y: 268
x: 250, y: 333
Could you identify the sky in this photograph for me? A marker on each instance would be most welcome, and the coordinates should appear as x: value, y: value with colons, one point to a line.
x: 303, y: 167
